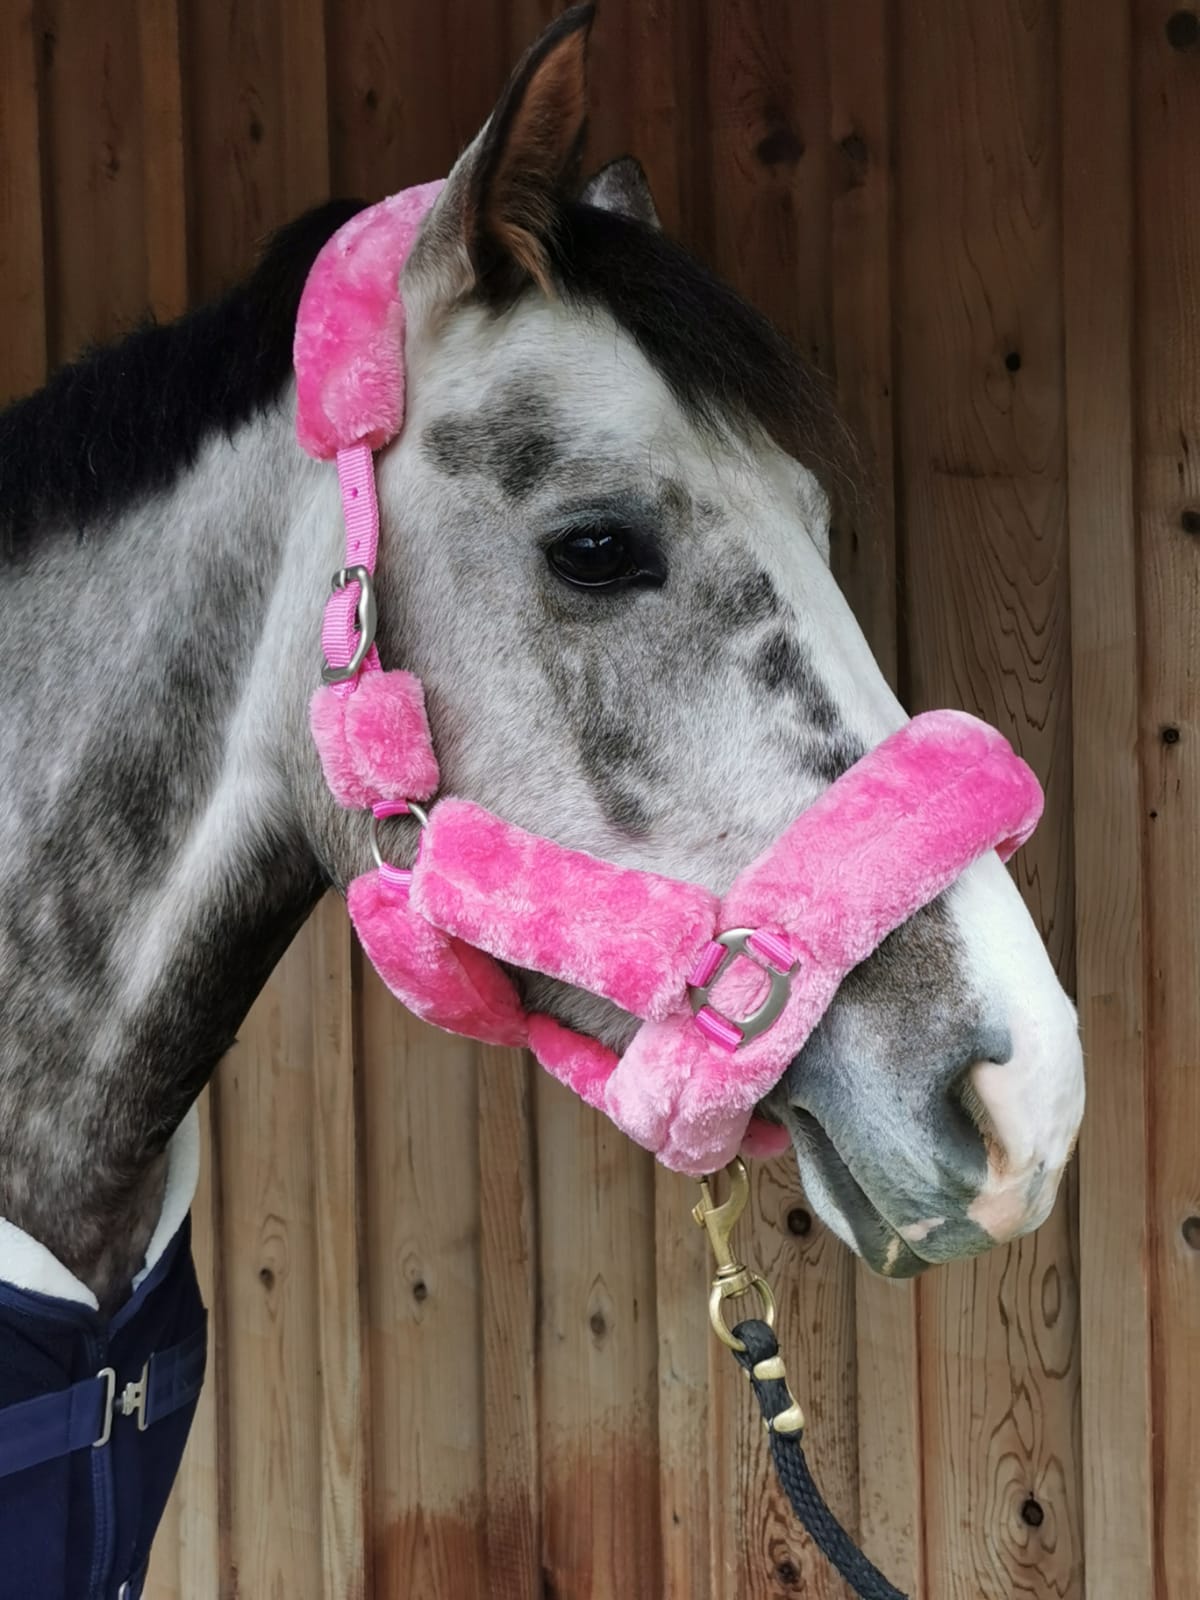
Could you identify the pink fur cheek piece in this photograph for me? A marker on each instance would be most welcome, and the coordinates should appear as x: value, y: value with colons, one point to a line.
x: 629, y: 936
x: 375, y: 743
x: 349, y: 345
x: 438, y: 978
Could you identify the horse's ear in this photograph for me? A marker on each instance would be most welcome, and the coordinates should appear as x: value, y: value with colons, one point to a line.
x: 492, y: 227
x: 622, y: 186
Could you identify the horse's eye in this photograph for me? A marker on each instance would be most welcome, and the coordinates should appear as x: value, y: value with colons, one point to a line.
x: 603, y: 557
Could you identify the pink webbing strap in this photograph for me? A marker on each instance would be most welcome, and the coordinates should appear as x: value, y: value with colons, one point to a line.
x: 339, y: 631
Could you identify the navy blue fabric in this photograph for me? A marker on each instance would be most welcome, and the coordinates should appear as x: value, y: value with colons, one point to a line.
x: 79, y: 1526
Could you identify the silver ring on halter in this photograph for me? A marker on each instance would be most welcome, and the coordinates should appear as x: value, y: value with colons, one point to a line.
x: 366, y: 616
x: 413, y: 810
x: 736, y: 942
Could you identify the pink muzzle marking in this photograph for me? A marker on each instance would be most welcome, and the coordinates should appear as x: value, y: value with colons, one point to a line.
x: 885, y: 839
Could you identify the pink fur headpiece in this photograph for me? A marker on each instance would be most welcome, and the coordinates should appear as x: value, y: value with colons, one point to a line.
x: 728, y: 988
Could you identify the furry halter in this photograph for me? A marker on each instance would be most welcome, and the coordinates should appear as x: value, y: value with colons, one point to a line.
x: 728, y: 989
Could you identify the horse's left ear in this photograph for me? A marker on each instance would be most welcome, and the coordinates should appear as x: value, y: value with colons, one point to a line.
x: 496, y: 217
x: 622, y: 186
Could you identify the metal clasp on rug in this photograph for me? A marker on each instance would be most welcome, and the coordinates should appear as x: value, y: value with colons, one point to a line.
x: 130, y: 1402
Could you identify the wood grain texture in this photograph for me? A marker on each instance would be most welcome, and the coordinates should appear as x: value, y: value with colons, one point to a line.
x: 864, y: 561
x: 508, y: 1224
x: 459, y: 1342
x: 424, y: 1298
x: 982, y: 436
x: 165, y: 185
x: 1098, y: 301
x: 1167, y: 80
x: 241, y: 119
x: 682, y: 1273
x: 272, y: 1286
x: 339, y: 1221
x: 410, y: 87
x: 22, y: 258
x: 92, y: 150
x: 598, y: 1350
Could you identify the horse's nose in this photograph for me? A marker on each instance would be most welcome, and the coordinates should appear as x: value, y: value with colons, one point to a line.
x: 1027, y: 1128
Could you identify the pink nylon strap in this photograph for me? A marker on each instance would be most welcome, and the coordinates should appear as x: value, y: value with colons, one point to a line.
x: 339, y: 631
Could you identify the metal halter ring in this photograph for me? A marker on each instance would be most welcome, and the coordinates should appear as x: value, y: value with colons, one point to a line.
x: 740, y: 942
x: 411, y: 809
x: 366, y: 617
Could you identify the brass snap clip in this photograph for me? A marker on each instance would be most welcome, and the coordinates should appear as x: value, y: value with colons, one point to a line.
x: 733, y: 1279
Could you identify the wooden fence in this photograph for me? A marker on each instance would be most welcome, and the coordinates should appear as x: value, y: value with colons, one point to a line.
x: 461, y: 1347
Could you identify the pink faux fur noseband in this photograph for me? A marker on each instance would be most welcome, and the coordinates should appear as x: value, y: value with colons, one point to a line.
x: 728, y: 988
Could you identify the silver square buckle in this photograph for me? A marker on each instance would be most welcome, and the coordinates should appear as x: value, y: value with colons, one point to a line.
x: 736, y: 942
x: 130, y: 1402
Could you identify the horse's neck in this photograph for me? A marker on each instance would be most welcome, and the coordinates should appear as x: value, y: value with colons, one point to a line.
x: 155, y: 855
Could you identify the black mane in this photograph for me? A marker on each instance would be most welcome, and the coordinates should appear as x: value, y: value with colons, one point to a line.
x: 126, y: 419
x: 723, y: 360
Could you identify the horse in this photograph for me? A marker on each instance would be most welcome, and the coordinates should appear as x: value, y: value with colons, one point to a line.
x: 605, y: 550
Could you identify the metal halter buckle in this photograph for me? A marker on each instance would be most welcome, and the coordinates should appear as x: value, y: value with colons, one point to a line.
x: 738, y: 942
x: 365, y: 615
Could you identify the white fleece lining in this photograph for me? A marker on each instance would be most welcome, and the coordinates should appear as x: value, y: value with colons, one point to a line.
x: 26, y: 1264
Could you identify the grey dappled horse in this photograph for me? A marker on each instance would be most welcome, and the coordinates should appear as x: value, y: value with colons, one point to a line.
x: 605, y: 550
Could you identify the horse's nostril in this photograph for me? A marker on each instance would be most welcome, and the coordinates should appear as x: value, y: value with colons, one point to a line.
x: 994, y: 1046
x: 988, y: 1047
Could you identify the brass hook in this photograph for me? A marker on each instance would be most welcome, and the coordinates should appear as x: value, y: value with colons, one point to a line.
x: 733, y: 1279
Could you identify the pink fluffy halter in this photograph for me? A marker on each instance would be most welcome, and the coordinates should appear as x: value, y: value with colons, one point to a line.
x: 728, y: 988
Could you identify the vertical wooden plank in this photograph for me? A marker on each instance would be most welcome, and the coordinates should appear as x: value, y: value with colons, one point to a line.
x: 253, y: 151
x: 1098, y: 284
x: 981, y: 429
x: 767, y: 121
x: 864, y: 552
x: 164, y: 181
x: 864, y: 561
x: 22, y: 264
x: 96, y: 284
x: 682, y: 1275
x: 340, y: 1309
x: 305, y: 120
x: 597, y: 1375
x: 767, y: 127
x: 509, y: 1257
x: 271, y: 1286
x: 1168, y: 497
x: 424, y: 1304
x: 410, y: 87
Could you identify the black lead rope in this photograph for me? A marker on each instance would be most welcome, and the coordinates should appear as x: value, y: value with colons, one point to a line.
x: 760, y: 1359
